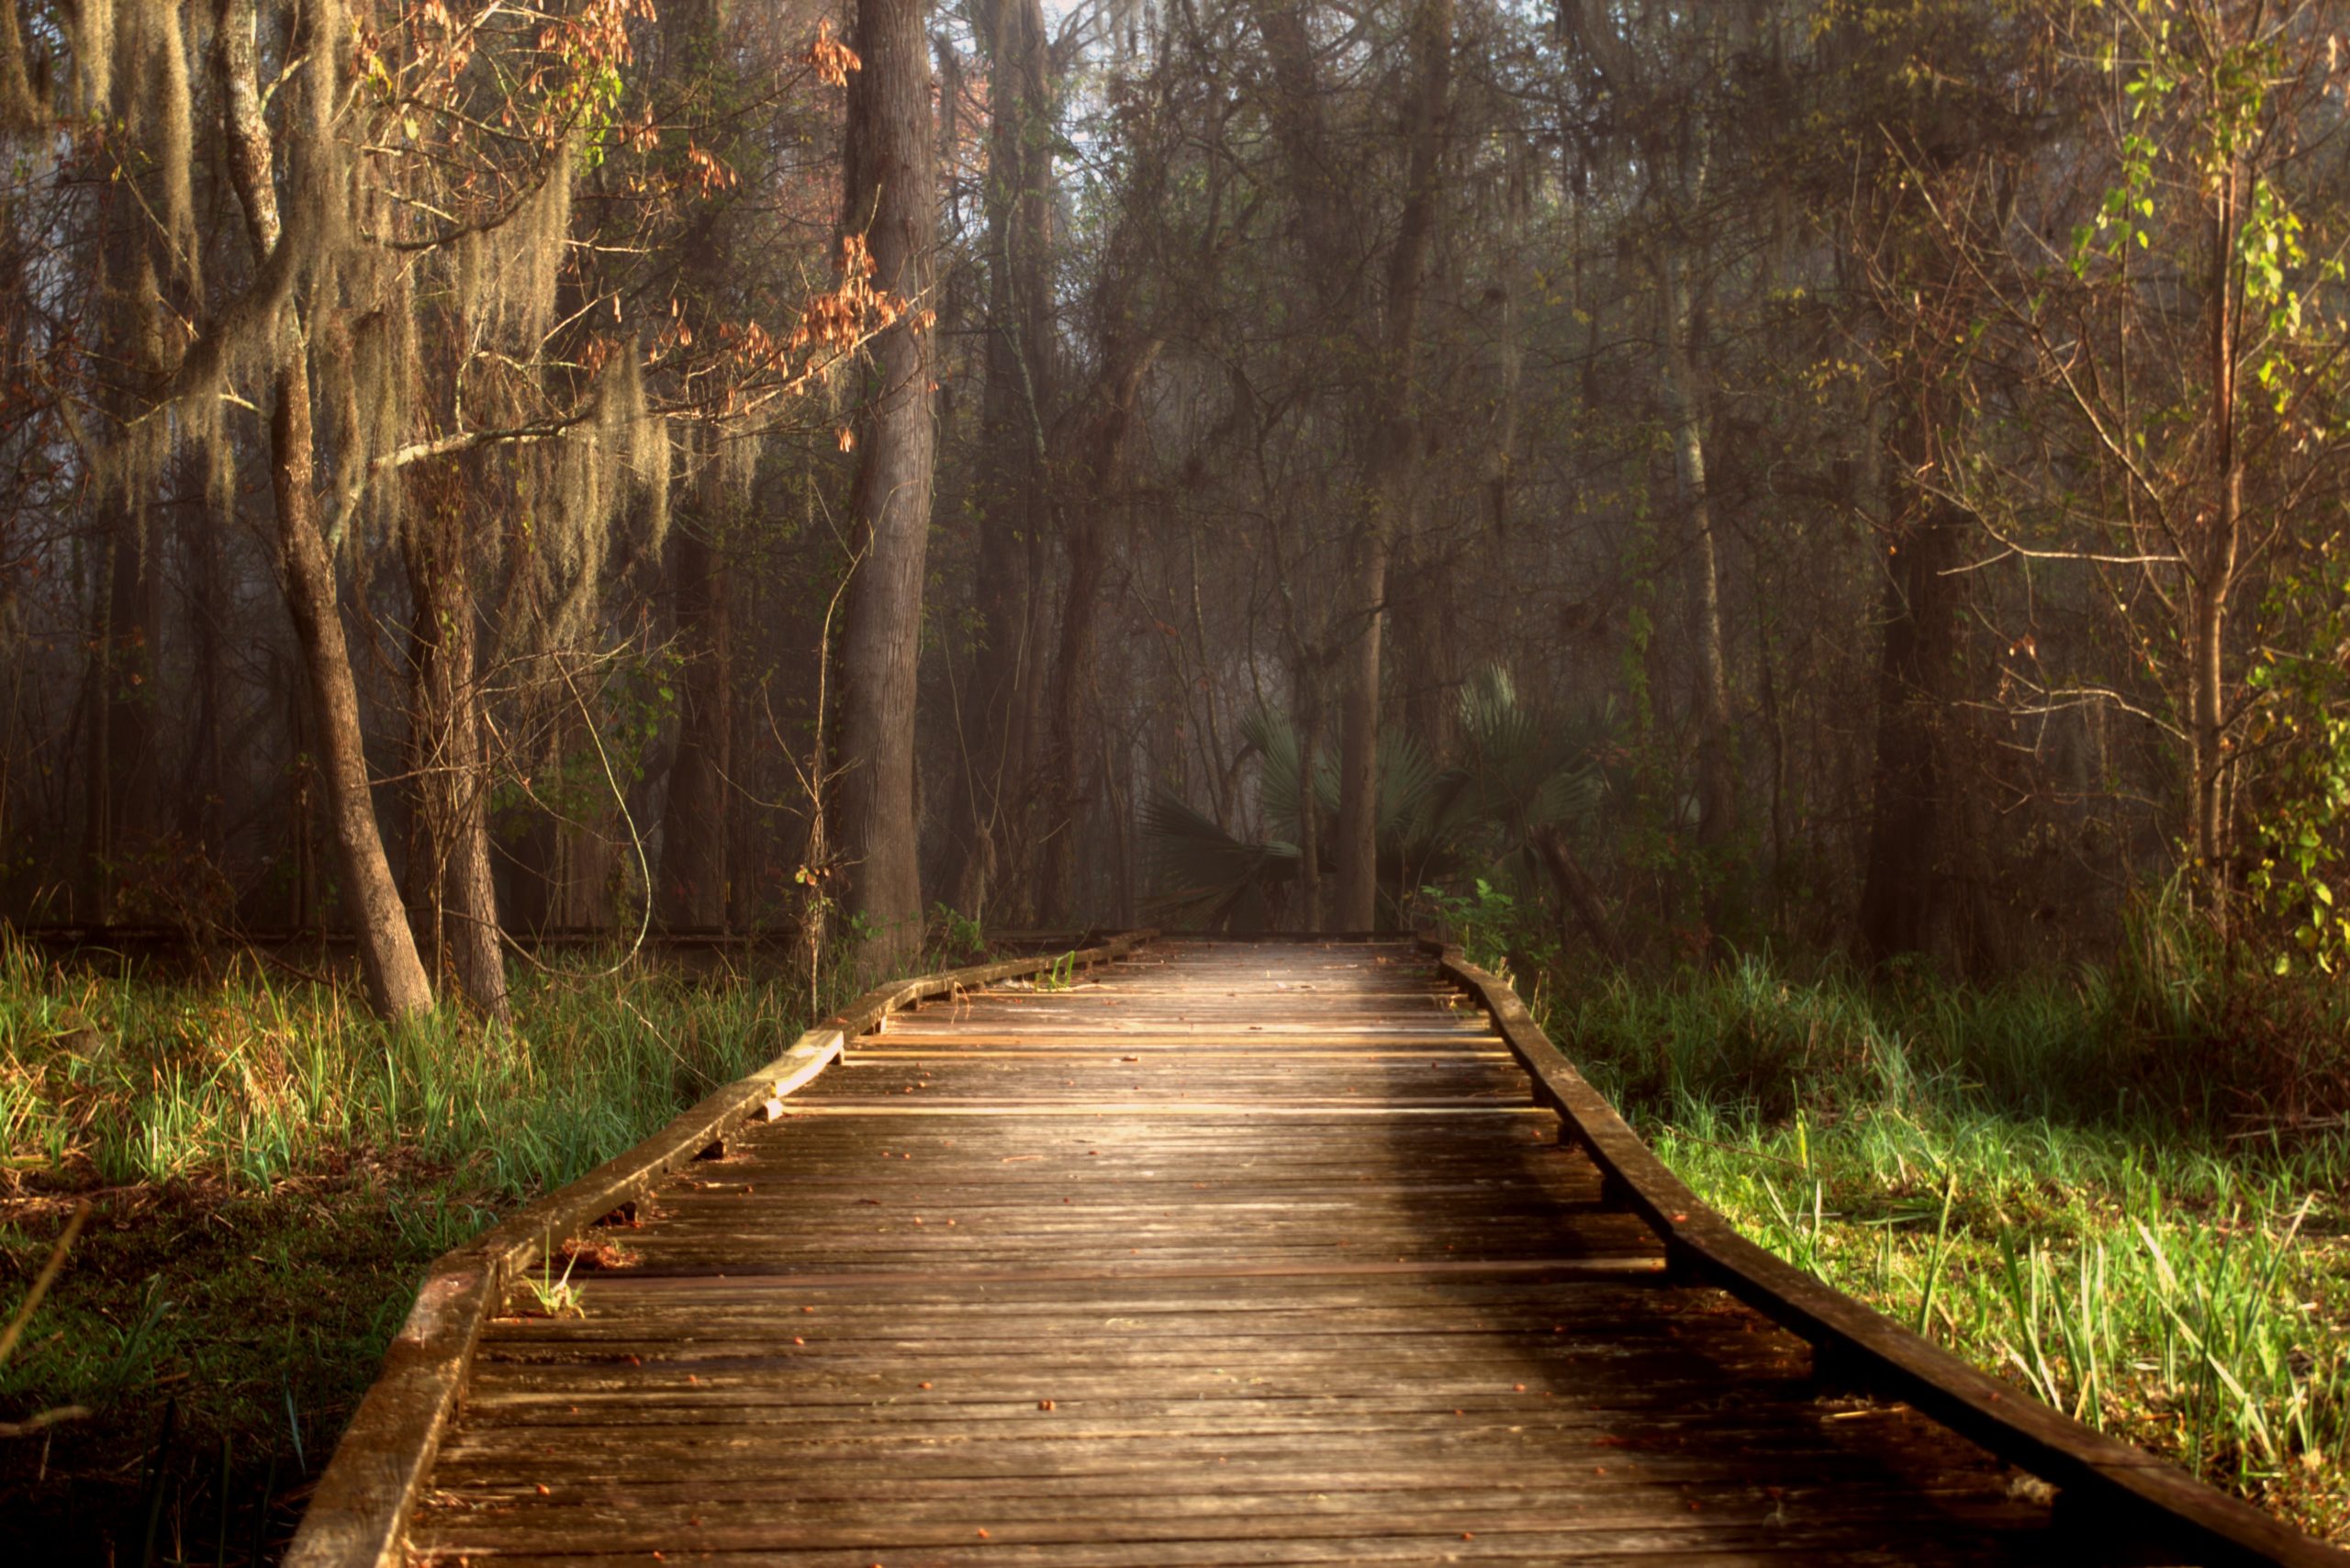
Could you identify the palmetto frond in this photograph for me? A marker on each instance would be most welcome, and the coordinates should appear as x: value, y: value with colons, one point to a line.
x: 1516, y: 773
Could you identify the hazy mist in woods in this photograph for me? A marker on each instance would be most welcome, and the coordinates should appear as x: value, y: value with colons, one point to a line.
x: 544, y: 547
x: 1846, y: 477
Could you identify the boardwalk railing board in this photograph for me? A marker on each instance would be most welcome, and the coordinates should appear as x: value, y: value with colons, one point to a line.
x: 358, y: 1515
x: 2114, y: 1484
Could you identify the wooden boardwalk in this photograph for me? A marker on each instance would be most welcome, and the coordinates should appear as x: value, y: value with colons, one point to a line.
x: 1232, y: 1254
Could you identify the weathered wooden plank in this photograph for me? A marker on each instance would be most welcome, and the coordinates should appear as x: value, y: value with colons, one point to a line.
x: 360, y: 1510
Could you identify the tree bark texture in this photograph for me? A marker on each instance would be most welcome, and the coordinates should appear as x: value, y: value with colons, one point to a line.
x: 450, y: 878
x: 124, y: 803
x: 1922, y: 890
x: 1716, y: 787
x: 891, y: 198
x: 694, y: 862
x: 396, y: 986
x: 991, y: 826
x: 1096, y: 476
x: 1393, y: 472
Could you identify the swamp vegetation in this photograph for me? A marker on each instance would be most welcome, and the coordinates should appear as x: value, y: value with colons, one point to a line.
x: 1813, y: 534
x: 2022, y: 1172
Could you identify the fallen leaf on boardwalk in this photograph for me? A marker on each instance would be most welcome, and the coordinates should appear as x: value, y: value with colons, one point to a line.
x: 1044, y: 1405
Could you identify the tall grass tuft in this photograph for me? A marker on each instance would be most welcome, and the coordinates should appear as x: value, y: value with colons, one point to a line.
x: 256, y: 1078
x: 2122, y: 1190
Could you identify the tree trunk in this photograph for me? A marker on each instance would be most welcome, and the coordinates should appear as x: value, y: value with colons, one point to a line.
x: 1923, y: 890
x: 453, y: 878
x: 1355, y: 839
x: 396, y: 979
x: 891, y: 196
x: 396, y: 987
x: 1716, y: 790
x: 2215, y: 564
x: 203, y: 786
x: 1394, y: 472
x: 693, y: 832
x: 1578, y: 894
x: 1309, y: 815
x: 1094, y: 479
x: 989, y: 824
x: 123, y: 799
x: 1906, y: 881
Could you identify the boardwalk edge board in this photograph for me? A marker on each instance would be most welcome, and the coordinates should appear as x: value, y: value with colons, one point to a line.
x: 2115, y: 1492
x: 358, y: 1515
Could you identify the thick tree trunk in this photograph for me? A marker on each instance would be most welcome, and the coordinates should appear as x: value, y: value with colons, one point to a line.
x: 396, y: 981
x: 122, y: 818
x: 1096, y: 476
x: 453, y: 878
x: 1924, y: 886
x: 891, y: 198
x: 203, y: 787
x: 1905, y: 882
x: 990, y: 825
x: 1064, y: 813
x: 694, y: 863
x: 1355, y: 836
x: 1322, y: 228
x: 1394, y: 472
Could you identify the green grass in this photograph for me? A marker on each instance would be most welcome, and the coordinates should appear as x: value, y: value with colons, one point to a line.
x: 2097, y: 1198
x: 270, y: 1172
x: 253, y: 1080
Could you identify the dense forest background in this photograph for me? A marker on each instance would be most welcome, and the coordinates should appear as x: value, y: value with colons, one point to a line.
x: 1861, y: 476
x: 544, y: 546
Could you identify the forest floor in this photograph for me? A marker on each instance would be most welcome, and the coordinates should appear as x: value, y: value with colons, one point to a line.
x: 2026, y: 1171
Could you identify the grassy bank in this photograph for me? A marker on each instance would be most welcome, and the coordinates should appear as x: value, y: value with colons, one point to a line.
x: 2123, y: 1201
x: 269, y: 1171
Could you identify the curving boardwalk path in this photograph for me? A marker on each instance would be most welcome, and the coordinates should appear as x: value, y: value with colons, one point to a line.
x: 1227, y: 1254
